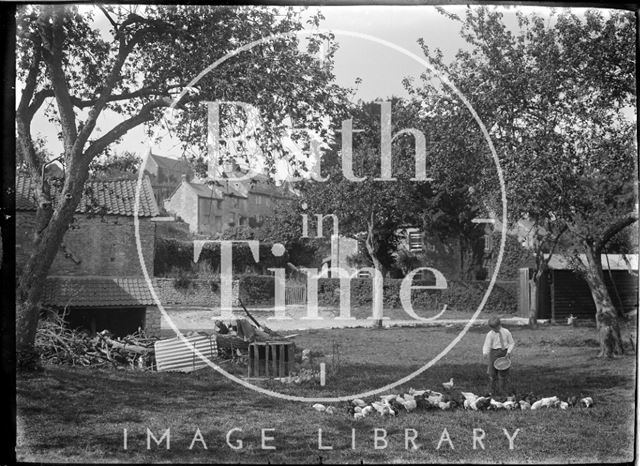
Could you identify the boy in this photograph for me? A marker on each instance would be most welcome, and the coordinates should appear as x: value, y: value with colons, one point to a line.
x: 498, y: 343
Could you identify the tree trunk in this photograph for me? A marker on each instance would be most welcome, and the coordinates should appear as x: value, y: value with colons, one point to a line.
x: 606, y: 317
x: 31, y: 283
x: 533, y: 301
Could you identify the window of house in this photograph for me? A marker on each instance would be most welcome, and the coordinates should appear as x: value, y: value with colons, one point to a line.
x: 415, y: 241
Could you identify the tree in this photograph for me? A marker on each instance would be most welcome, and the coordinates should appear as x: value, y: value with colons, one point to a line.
x: 136, y: 69
x: 553, y: 96
x: 373, y: 208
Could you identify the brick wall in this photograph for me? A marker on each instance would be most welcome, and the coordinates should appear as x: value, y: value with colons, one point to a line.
x: 93, y: 246
x: 152, y: 318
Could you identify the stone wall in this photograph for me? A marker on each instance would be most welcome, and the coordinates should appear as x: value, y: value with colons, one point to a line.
x: 93, y: 245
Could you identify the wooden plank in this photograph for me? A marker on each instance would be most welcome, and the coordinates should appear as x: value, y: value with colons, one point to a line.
x: 283, y: 355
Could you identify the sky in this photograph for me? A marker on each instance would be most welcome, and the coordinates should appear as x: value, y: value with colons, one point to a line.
x: 380, y: 68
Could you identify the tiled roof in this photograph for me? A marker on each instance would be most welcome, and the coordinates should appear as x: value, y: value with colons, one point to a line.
x: 116, y: 197
x: 96, y: 292
x: 178, y: 165
x: 204, y: 190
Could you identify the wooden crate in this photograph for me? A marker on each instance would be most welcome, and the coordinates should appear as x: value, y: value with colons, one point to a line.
x: 271, y: 358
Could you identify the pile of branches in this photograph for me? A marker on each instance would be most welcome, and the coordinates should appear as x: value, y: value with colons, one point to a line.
x: 58, y: 344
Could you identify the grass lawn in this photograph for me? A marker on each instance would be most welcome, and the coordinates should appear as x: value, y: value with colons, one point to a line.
x: 67, y: 414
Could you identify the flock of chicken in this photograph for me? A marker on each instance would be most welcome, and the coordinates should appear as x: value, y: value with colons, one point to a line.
x: 392, y: 405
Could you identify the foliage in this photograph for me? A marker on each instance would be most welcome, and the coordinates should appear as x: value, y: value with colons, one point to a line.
x: 462, y: 296
x: 175, y: 257
x: 143, y: 64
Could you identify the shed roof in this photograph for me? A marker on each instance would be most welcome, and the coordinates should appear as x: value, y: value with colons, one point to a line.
x: 116, y: 197
x: 204, y: 190
x: 609, y: 261
x: 96, y: 292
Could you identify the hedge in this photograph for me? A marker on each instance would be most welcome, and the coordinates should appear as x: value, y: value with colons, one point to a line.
x: 459, y: 295
x: 173, y: 257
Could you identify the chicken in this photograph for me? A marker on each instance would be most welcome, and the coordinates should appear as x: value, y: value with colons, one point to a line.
x: 435, y: 399
x: 469, y: 396
x: 587, y: 402
x: 483, y: 402
x: 359, y: 402
x: 571, y: 320
x: 548, y: 402
x: 423, y: 403
x: 410, y: 405
x: 408, y: 397
x: 357, y: 409
x: 318, y: 407
x: 416, y: 392
x: 448, y: 385
x: 564, y: 405
x: 524, y: 405
x: 366, y: 410
x: 378, y: 406
x: 442, y: 405
x: 358, y: 416
x: 387, y: 398
x: 496, y: 404
x: 510, y: 404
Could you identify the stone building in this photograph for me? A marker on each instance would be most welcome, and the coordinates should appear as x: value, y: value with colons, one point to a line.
x: 166, y: 174
x: 213, y: 207
x: 96, y: 275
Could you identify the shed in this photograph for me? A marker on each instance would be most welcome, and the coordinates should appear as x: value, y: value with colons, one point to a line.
x: 565, y: 293
x: 121, y: 305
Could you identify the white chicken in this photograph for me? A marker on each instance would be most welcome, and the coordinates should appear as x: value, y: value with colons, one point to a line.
x: 387, y: 398
x: 442, y: 405
x: 448, y: 385
x: 496, y: 404
x: 417, y: 392
x: 587, y: 402
x: 358, y: 416
x: 378, y: 406
x: 358, y: 402
x: 330, y: 410
x: 564, y: 405
x: 410, y: 405
x: 548, y: 402
x: 408, y: 397
x: 525, y: 405
x: 357, y: 409
x: 318, y: 407
x: 367, y: 410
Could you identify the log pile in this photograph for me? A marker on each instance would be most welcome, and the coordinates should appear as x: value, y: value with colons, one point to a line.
x: 59, y: 344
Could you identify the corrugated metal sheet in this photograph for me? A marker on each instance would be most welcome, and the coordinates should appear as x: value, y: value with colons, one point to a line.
x: 176, y: 355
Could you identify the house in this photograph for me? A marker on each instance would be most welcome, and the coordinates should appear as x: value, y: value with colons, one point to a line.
x: 563, y: 292
x: 166, y: 174
x: 96, y: 275
x: 212, y: 207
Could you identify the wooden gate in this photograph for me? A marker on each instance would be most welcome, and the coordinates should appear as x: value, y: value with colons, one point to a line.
x: 295, y: 294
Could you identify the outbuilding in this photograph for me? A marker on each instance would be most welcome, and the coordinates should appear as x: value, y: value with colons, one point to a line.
x: 564, y: 292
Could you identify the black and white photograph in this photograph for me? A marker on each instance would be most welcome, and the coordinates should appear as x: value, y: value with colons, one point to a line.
x: 320, y: 233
